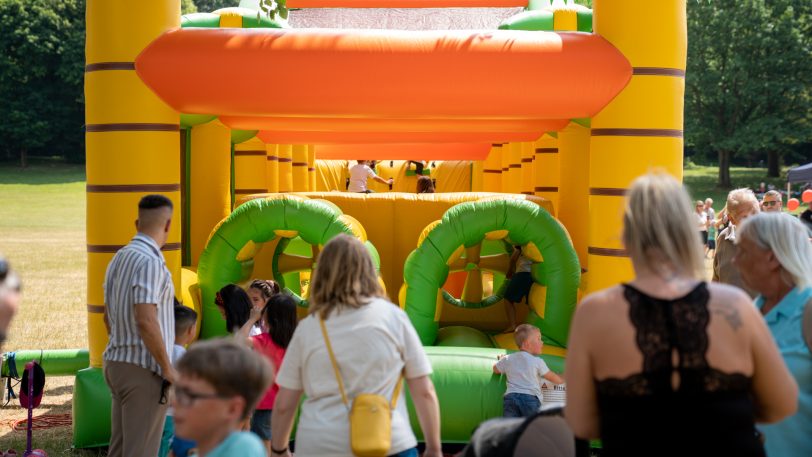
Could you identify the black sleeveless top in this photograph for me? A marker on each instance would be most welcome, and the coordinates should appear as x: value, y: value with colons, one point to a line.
x: 710, y: 413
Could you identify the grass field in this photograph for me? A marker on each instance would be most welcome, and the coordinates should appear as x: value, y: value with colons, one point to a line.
x: 42, y: 232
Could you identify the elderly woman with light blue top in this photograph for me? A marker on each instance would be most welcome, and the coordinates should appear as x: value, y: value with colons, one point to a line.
x: 774, y: 256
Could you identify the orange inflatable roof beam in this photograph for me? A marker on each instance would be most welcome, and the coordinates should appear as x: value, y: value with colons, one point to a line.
x: 404, y: 151
x: 406, y: 3
x: 492, y: 74
x: 314, y: 124
x: 277, y: 137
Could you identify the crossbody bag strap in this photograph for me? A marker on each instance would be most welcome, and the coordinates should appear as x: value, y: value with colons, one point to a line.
x: 335, y: 364
x: 398, y: 385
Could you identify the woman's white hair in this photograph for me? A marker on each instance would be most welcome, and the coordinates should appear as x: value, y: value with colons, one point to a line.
x: 787, y: 238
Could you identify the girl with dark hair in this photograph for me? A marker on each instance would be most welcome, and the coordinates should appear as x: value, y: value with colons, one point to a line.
x: 279, y: 316
x: 260, y: 291
x: 234, y: 305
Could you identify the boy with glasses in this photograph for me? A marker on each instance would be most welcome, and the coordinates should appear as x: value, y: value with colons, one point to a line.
x: 219, y: 384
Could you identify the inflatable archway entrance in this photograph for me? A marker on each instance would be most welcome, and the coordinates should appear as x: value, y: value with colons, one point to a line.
x: 468, y: 224
x: 228, y: 257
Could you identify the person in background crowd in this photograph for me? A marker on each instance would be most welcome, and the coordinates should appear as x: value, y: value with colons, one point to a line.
x: 772, y: 201
x: 774, y: 256
x: 741, y: 204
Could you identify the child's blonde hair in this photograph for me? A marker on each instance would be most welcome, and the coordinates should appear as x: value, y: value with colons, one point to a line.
x: 233, y: 369
x: 523, y: 333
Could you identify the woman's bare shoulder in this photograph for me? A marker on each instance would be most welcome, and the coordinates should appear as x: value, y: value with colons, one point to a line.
x: 601, y: 303
x: 732, y: 304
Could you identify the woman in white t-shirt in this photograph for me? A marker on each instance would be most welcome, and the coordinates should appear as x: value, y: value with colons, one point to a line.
x: 373, y: 341
x: 359, y: 174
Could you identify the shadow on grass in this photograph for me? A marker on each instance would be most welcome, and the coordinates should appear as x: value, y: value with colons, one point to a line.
x: 41, y: 172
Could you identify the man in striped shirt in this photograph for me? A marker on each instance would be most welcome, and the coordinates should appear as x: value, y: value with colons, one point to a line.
x: 139, y: 316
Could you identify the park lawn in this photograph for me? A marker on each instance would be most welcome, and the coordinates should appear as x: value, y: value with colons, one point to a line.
x: 42, y: 232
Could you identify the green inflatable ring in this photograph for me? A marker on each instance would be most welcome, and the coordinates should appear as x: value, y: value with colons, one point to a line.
x: 256, y: 221
x: 466, y: 224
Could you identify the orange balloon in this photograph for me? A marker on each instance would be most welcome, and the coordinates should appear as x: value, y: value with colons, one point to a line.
x: 793, y: 204
x: 806, y: 197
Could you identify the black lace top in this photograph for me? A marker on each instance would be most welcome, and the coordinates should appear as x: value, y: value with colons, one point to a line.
x: 706, y: 412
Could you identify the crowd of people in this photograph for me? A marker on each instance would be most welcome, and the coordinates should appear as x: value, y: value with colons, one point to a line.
x: 665, y: 364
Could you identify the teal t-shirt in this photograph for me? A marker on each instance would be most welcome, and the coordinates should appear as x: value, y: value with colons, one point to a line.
x: 711, y: 232
x: 239, y: 444
x: 791, y: 436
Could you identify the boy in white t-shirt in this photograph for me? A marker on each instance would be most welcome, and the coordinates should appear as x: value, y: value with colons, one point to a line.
x: 359, y: 174
x: 525, y: 372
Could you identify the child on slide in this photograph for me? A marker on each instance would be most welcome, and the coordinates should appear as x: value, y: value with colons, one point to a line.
x: 518, y: 287
x: 359, y: 174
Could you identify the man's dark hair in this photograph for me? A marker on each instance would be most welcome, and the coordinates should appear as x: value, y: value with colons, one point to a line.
x: 154, y: 201
x: 184, y: 319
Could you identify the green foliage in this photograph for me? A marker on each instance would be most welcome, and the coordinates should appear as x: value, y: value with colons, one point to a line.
x: 272, y: 8
x: 208, y: 6
x: 187, y: 6
x: 41, y: 77
x: 749, y: 78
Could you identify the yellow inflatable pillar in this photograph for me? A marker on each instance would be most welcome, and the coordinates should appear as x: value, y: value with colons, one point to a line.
x: 477, y: 180
x: 272, y: 167
x: 301, y: 181
x: 528, y: 169
x: 511, y: 168
x: 285, y: 174
x: 547, y: 169
x: 250, y: 168
x: 132, y: 140
x: 492, y: 170
x: 638, y: 130
x: 311, y: 166
x: 210, y: 182
x: 573, y: 195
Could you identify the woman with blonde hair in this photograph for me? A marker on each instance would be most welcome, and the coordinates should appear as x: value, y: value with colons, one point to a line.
x: 374, y: 345
x: 774, y: 256
x: 668, y: 364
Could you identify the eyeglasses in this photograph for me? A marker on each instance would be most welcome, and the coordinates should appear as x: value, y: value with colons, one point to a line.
x: 772, y: 203
x: 186, y: 398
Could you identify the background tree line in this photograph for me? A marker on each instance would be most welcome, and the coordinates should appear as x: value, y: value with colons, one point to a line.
x: 748, y: 93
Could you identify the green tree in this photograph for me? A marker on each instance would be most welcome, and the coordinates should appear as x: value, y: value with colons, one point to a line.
x: 187, y: 6
x: 41, y: 76
x: 207, y: 6
x: 748, y: 79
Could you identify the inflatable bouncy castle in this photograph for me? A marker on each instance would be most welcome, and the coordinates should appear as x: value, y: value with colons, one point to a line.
x: 531, y: 126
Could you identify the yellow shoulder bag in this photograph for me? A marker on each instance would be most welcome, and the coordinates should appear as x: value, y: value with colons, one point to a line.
x: 370, y: 414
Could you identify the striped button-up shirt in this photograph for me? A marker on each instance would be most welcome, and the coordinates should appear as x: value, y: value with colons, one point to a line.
x: 137, y: 274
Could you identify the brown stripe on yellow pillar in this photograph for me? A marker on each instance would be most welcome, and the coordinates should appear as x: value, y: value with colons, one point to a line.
x: 673, y: 133
x: 607, y: 191
x: 95, y: 309
x: 238, y: 152
x: 607, y: 252
x: 546, y: 150
x: 658, y: 71
x: 133, y: 127
x: 299, y: 164
x: 103, y: 66
x: 284, y: 160
x: 546, y: 189
x: 492, y: 171
x: 274, y: 158
x: 105, y: 188
x: 112, y: 248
